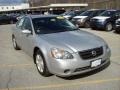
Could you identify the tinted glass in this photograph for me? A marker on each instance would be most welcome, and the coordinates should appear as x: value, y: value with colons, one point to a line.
x: 52, y: 25
x: 20, y: 23
x: 80, y: 12
x: 99, y: 12
x: 27, y: 24
x: 87, y: 13
x: 118, y: 14
x: 71, y: 13
x: 108, y: 13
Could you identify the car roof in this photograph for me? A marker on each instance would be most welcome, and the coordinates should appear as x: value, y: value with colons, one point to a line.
x: 96, y: 9
x: 41, y: 16
x: 113, y: 10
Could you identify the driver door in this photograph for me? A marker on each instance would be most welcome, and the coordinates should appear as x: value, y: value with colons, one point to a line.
x: 27, y: 39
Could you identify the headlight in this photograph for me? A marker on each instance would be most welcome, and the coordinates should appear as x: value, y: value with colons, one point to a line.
x: 61, y: 54
x: 101, y: 20
x: 82, y: 20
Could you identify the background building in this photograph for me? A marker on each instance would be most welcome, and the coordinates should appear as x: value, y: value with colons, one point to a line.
x: 11, y: 5
x: 104, y: 4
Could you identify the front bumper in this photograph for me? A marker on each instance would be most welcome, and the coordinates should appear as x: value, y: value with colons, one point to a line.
x: 117, y: 28
x: 79, y: 23
x: 95, y: 24
x: 66, y: 68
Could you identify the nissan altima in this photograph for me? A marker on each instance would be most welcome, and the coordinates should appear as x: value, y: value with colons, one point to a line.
x: 58, y: 47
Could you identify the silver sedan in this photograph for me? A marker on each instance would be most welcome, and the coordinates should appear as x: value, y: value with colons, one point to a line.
x: 58, y: 47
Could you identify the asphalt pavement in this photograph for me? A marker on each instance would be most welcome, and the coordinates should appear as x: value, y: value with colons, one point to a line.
x: 18, y: 71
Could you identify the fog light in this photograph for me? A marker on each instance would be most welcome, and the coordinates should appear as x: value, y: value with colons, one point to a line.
x: 67, y: 71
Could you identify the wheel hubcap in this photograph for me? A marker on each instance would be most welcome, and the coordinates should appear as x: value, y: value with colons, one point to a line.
x: 109, y: 27
x: 14, y: 42
x: 39, y: 63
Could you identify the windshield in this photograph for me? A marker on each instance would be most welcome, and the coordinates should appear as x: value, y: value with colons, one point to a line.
x: 108, y: 13
x: 69, y: 13
x: 80, y: 12
x: 86, y: 13
x: 48, y: 25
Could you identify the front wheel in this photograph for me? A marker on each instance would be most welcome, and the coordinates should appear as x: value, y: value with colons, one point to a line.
x: 11, y: 22
x: 117, y: 31
x: 108, y: 27
x: 93, y: 28
x: 41, y: 64
x: 16, y: 47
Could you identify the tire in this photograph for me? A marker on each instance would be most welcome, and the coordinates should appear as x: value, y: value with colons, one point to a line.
x: 41, y: 64
x: 117, y: 31
x: 11, y: 22
x: 87, y: 24
x: 93, y: 28
x: 16, y: 47
x: 108, y: 27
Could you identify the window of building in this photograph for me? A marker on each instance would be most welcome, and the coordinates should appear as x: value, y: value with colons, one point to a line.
x: 6, y: 7
x: 2, y: 7
x: 13, y: 8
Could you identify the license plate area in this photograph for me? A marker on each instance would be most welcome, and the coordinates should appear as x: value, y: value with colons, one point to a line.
x: 96, y: 63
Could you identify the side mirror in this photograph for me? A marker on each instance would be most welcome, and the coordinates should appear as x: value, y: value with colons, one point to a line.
x: 26, y: 31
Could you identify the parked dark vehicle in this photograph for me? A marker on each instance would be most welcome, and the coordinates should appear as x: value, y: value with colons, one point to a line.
x: 69, y: 15
x: 117, y: 26
x: 13, y: 17
x: 7, y: 19
x: 4, y: 19
x: 105, y: 20
x: 83, y: 20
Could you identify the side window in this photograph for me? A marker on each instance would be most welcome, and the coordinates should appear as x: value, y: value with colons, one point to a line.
x: 27, y: 24
x: 118, y: 14
x: 95, y: 13
x: 99, y: 12
x: 20, y: 23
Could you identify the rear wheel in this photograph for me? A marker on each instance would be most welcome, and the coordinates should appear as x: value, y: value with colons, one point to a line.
x: 108, y: 27
x: 41, y: 64
x: 11, y: 22
x: 93, y: 28
x: 117, y: 31
x: 16, y: 47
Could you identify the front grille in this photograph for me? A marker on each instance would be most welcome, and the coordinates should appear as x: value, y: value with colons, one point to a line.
x: 91, y: 53
x: 118, y: 23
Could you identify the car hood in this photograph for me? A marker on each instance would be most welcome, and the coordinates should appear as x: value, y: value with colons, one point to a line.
x: 118, y: 19
x: 75, y: 40
x: 101, y: 17
x: 80, y: 17
x: 66, y: 16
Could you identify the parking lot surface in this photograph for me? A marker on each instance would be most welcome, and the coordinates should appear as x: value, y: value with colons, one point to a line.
x: 18, y: 72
